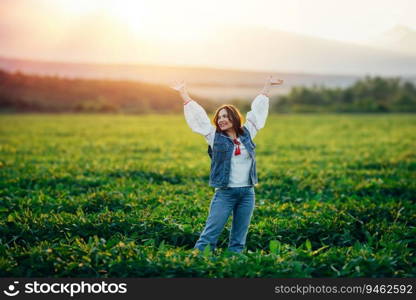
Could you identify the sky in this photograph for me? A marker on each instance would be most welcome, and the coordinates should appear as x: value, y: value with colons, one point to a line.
x: 30, y: 27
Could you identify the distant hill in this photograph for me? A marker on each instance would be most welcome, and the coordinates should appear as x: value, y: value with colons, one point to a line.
x: 258, y: 48
x: 400, y: 38
x: 227, y: 47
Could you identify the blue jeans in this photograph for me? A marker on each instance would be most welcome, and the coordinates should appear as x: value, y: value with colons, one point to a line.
x: 236, y: 200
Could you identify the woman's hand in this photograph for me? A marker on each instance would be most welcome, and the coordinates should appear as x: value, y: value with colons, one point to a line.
x: 270, y: 81
x: 179, y: 86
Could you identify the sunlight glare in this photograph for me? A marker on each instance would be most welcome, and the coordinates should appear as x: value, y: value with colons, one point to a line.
x: 164, y: 20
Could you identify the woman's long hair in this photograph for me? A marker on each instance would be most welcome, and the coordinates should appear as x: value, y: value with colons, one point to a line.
x: 234, y: 116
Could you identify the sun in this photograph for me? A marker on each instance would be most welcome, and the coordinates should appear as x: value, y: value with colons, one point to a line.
x: 164, y: 20
x: 160, y: 20
x: 135, y: 13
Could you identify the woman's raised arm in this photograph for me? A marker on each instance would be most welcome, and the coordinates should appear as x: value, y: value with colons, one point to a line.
x: 195, y: 114
x: 180, y: 86
x: 256, y: 117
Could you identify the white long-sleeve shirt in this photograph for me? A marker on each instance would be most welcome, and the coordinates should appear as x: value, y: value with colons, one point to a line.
x: 198, y: 120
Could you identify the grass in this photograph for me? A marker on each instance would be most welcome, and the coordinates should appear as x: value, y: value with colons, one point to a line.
x: 127, y: 196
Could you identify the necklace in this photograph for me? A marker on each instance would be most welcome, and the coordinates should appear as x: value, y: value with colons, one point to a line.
x: 237, y: 150
x: 236, y: 142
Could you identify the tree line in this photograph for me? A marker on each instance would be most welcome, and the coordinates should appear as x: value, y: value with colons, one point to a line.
x: 369, y: 94
x: 21, y: 92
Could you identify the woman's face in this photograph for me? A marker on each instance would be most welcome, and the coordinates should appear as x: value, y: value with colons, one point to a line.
x: 223, y: 121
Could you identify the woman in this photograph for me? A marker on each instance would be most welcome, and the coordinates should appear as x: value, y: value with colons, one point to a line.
x: 233, y: 163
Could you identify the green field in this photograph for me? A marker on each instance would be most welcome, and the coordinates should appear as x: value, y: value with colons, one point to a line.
x: 115, y: 196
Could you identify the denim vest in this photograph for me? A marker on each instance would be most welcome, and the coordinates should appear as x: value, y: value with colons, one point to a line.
x: 221, y: 158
